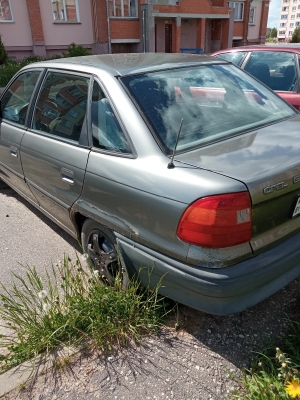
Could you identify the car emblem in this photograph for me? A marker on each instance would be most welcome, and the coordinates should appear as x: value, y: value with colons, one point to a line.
x: 276, y: 186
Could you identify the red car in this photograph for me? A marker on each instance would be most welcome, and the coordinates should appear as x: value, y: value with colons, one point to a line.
x: 277, y: 66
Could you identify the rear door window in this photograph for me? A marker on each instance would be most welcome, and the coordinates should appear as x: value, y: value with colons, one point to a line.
x: 61, y: 105
x: 14, y: 103
x: 106, y: 129
x: 275, y: 69
x: 236, y: 57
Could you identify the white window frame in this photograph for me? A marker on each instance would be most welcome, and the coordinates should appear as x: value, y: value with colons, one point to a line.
x: 122, y: 9
x: 64, y: 12
x: 10, y: 9
x: 252, y: 12
x: 237, y: 5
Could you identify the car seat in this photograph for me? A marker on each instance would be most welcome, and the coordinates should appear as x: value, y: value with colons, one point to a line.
x: 261, y: 71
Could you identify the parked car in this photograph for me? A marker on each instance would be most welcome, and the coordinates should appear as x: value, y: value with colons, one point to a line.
x: 182, y: 164
x: 277, y: 66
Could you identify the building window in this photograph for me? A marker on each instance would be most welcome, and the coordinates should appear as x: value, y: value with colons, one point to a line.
x: 285, y: 9
x: 122, y: 8
x: 282, y: 25
x: 292, y: 25
x: 65, y: 10
x: 252, y: 16
x: 293, y: 16
x: 281, y: 32
x: 238, y: 10
x: 294, y: 8
x: 5, y: 11
x: 290, y: 33
x: 297, y: 23
x: 285, y: 16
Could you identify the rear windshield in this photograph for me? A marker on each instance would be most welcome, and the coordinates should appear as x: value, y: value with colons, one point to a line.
x: 214, y: 101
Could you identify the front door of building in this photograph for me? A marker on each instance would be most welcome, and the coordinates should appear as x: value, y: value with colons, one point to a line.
x: 168, y: 38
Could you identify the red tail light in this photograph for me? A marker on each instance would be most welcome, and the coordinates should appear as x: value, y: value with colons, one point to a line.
x: 217, y: 221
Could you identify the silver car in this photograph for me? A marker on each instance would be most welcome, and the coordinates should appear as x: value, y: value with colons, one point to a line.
x: 183, y: 165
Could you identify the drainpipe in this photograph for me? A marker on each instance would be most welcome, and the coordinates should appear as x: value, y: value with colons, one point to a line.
x: 248, y: 21
x: 108, y: 29
x: 144, y: 28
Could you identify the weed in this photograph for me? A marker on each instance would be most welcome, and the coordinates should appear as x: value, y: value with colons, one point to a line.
x: 71, y: 304
x: 275, y: 375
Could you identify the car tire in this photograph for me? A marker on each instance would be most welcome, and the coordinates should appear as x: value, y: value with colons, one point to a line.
x: 101, y: 246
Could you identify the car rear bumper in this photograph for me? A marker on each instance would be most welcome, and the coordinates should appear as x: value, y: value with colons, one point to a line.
x: 219, y: 291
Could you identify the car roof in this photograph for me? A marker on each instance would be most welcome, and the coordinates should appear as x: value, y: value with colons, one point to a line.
x: 294, y: 47
x: 131, y: 63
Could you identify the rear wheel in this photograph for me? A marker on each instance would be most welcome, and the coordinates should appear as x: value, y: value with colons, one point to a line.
x: 100, y: 245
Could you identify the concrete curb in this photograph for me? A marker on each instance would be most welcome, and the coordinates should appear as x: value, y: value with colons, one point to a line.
x: 19, y: 375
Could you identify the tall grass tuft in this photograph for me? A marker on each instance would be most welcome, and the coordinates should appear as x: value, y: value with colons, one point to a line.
x: 71, y: 304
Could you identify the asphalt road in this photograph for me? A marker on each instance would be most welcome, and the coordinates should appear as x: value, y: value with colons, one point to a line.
x: 28, y: 237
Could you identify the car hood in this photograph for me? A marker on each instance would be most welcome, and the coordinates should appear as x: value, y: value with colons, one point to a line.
x: 267, y: 160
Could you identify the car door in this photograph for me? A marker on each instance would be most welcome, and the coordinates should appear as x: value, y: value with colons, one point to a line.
x: 279, y: 71
x: 55, y: 148
x: 14, y: 107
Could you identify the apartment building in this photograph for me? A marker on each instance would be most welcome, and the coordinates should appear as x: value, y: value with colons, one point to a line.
x: 47, y: 27
x: 289, y: 19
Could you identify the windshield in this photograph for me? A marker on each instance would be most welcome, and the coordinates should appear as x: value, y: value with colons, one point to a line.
x: 214, y: 101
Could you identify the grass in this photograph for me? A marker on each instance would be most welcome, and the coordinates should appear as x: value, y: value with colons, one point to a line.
x: 69, y: 305
x: 275, y: 375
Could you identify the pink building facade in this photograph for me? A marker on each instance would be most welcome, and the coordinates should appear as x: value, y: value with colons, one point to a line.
x: 48, y: 27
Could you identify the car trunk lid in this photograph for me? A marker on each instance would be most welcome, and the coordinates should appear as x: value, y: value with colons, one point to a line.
x: 267, y: 161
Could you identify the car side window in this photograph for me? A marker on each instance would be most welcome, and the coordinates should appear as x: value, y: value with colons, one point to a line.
x: 14, y: 103
x: 235, y: 57
x: 275, y: 69
x: 107, y: 132
x: 61, y: 106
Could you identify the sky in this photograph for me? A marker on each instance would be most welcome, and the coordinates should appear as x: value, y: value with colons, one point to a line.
x: 274, y: 12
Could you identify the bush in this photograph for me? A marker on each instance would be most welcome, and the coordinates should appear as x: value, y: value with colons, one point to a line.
x: 3, y: 53
x: 75, y: 50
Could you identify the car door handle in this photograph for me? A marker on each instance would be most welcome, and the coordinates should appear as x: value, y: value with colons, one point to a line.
x: 13, y: 151
x: 67, y: 175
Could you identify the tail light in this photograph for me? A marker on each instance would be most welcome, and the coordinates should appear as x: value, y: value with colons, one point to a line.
x: 217, y: 221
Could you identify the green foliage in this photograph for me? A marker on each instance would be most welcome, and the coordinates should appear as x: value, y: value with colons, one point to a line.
x: 272, y: 34
x: 3, y: 53
x: 272, y: 372
x: 296, y: 35
x: 70, y: 304
x: 76, y: 51
x: 9, y: 67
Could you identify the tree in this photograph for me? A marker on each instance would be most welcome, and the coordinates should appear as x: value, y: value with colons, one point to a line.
x: 3, y: 53
x: 273, y: 33
x: 296, y: 35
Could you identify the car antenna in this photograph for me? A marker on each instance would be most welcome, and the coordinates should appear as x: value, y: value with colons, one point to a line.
x: 171, y: 164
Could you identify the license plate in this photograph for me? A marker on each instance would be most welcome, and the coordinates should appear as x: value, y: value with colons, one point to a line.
x: 296, y: 211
